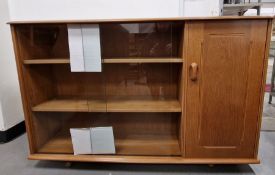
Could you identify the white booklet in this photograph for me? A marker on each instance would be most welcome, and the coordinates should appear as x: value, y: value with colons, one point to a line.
x: 103, y: 140
x: 81, y: 139
x: 91, y: 47
x: 97, y: 140
x: 84, y: 45
x: 76, y: 48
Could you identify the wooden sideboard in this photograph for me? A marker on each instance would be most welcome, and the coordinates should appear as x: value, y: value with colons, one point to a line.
x: 175, y: 91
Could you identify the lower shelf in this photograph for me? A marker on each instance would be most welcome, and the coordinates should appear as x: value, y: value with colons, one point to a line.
x: 133, y: 145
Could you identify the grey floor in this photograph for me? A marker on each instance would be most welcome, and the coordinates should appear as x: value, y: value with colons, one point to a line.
x: 268, y: 123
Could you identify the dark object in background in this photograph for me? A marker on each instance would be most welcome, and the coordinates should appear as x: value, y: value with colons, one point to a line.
x: 232, y: 1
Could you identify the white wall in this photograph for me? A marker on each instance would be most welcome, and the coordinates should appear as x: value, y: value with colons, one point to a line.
x: 84, y: 9
x: 10, y: 101
x: 202, y: 8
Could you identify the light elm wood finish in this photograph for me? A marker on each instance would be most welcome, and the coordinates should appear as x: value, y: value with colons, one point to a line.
x: 47, y: 61
x: 107, y: 60
x: 110, y: 105
x: 223, y: 101
x: 198, y: 103
x: 134, y: 20
x: 139, y: 159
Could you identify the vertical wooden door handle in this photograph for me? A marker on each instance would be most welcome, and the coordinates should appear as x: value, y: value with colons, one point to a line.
x: 193, y: 71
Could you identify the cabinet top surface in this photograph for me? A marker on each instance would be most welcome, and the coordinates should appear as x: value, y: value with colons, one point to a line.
x: 130, y: 20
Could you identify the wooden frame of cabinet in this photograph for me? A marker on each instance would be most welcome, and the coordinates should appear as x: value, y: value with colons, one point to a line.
x: 196, y: 98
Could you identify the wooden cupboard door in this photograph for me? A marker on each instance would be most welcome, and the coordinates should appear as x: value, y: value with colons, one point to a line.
x: 224, y: 76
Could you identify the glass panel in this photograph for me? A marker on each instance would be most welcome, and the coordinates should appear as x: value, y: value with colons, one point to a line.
x: 56, y: 88
x: 134, y: 133
x: 140, y: 100
x: 42, y: 41
x: 140, y: 40
x: 142, y: 87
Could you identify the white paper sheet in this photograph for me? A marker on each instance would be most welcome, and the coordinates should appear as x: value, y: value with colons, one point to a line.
x: 81, y: 139
x: 91, y: 47
x: 76, y: 47
x: 103, y: 140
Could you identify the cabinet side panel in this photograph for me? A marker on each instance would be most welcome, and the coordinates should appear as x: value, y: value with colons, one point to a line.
x: 264, y: 72
x: 26, y: 107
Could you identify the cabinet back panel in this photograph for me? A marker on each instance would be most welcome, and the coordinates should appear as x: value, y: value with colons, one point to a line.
x: 120, y: 80
x: 160, y: 39
x: 43, y: 41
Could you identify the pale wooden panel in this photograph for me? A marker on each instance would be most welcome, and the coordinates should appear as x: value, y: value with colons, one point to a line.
x: 223, y: 76
x: 141, y: 159
x: 110, y: 105
x: 143, y: 60
x: 66, y: 105
x: 107, y: 60
x: 143, y: 105
x: 222, y: 106
x: 46, y: 125
x: 142, y: 19
x: 48, y: 61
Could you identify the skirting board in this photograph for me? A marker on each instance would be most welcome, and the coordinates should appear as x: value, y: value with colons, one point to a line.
x: 13, y: 132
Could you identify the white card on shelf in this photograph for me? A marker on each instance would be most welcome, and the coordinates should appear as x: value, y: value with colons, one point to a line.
x: 91, y: 47
x: 76, y: 47
x: 103, y: 140
x: 81, y: 139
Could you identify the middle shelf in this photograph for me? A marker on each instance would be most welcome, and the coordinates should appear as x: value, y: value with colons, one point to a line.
x: 110, y: 105
x: 108, y: 60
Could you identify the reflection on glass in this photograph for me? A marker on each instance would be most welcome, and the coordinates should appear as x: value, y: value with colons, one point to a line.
x: 140, y: 40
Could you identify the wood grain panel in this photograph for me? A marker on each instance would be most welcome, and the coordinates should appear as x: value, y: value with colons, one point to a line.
x: 224, y: 76
x: 134, y: 133
x: 154, y: 81
x: 141, y: 159
x: 131, y: 20
x: 222, y: 105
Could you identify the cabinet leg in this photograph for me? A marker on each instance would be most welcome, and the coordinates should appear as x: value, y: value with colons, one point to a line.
x: 68, y: 164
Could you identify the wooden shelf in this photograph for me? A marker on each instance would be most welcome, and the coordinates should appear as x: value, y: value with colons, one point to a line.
x: 57, y: 105
x: 132, y: 145
x: 143, y: 105
x: 112, y: 105
x: 109, y: 60
x: 48, y: 61
x: 143, y: 60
